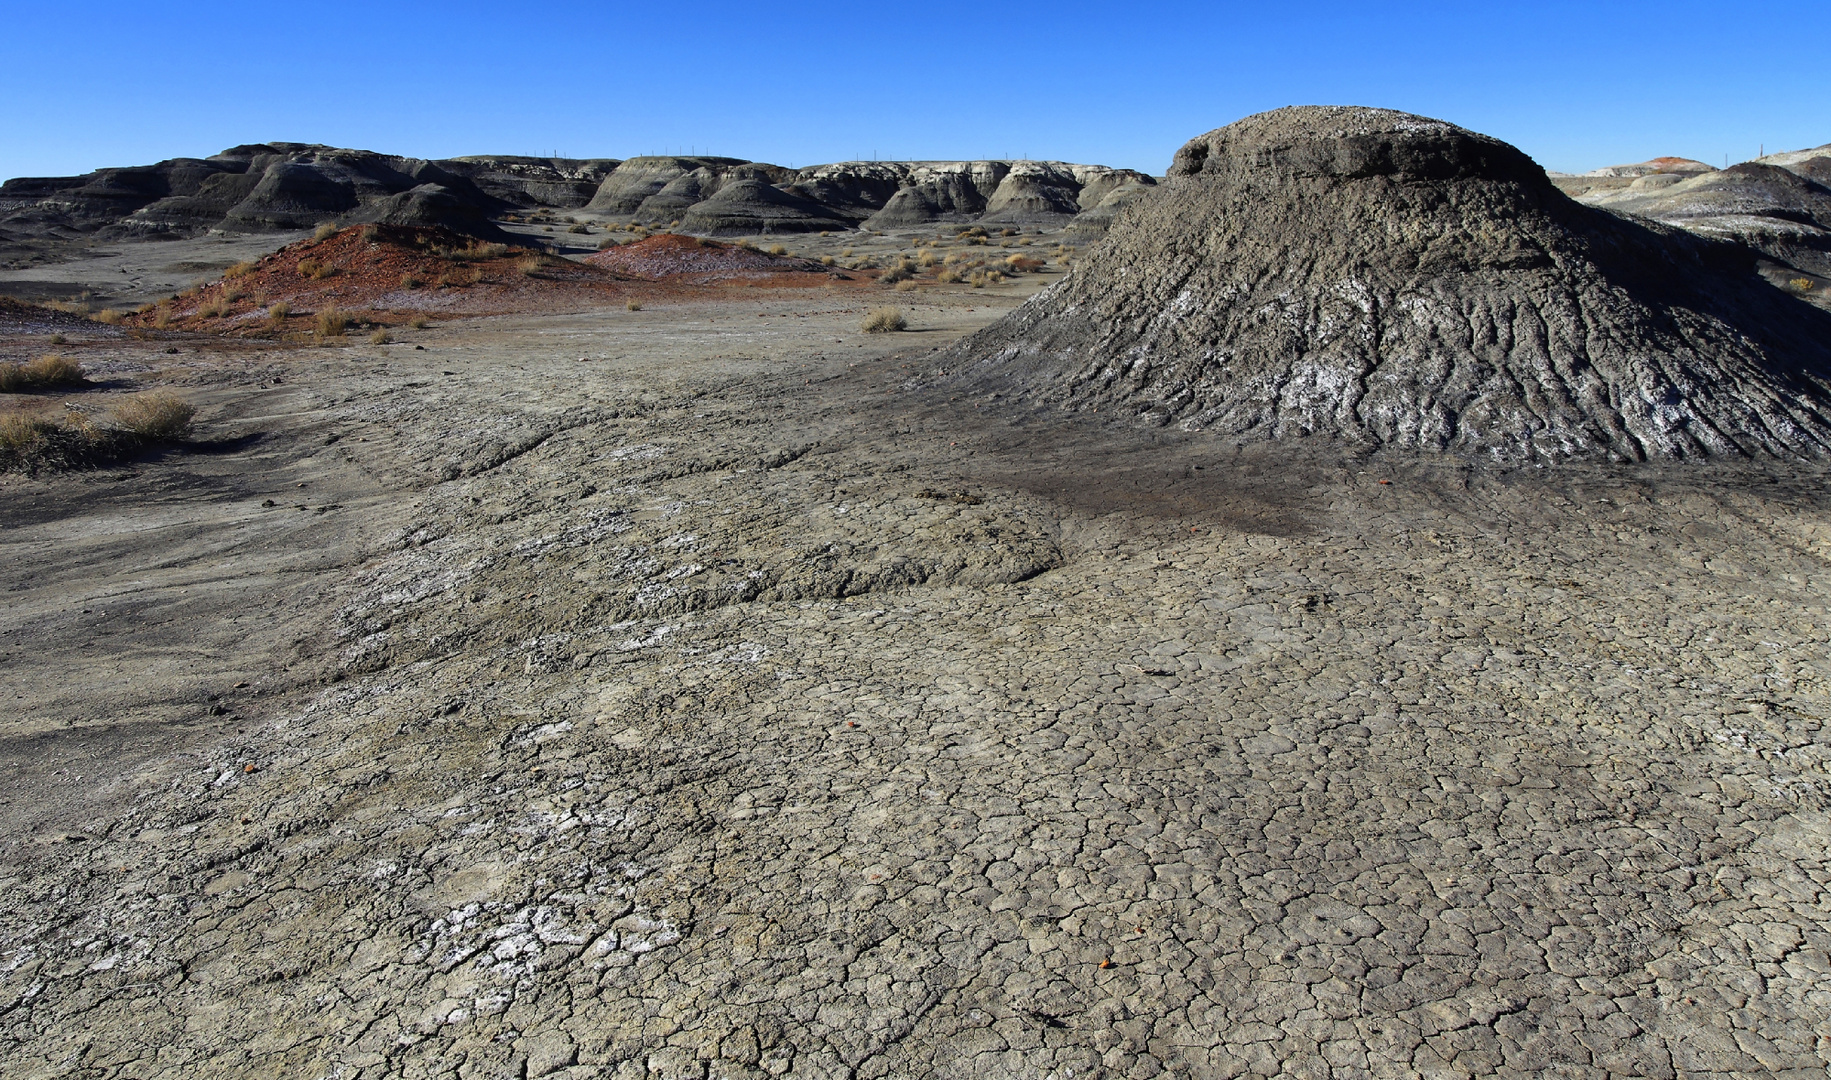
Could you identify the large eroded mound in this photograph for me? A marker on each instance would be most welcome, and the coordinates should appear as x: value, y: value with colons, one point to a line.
x: 1391, y: 280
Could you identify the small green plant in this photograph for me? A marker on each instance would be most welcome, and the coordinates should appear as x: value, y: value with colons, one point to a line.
x: 884, y: 320
x: 155, y: 416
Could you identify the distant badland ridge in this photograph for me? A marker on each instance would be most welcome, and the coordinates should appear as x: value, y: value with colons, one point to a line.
x: 284, y: 186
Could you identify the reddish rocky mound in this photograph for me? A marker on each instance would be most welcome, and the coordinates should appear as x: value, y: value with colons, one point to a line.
x: 387, y: 273
x: 670, y: 255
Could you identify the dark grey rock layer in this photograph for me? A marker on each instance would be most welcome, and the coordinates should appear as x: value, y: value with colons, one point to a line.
x: 1393, y: 281
x: 284, y: 186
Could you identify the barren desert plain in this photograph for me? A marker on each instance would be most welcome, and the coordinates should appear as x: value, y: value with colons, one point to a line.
x: 1203, y: 647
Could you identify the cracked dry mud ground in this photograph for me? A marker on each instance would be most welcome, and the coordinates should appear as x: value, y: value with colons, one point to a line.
x: 712, y: 708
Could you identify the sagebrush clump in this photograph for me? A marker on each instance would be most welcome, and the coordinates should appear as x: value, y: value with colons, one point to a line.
x: 154, y: 416
x: 884, y: 320
x: 40, y: 374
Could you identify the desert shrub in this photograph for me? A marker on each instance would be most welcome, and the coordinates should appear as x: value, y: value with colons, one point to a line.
x: 419, y: 322
x: 1802, y: 284
x: 948, y: 276
x: 907, y: 286
x: 370, y: 233
x: 43, y: 372
x: 707, y: 242
x: 1023, y: 264
x: 412, y: 281
x: 1009, y: 232
x: 970, y: 230
x: 381, y: 337
x: 316, y: 269
x: 21, y: 431
x: 607, y: 243
x: 277, y: 312
x: 1025, y: 242
x: 884, y: 320
x: 926, y: 259
x: 846, y: 254
x: 240, y: 269
x: 633, y: 305
x: 477, y: 252
x: 108, y: 316
x: 331, y: 323
x: 324, y: 231
x: 461, y: 277
x: 893, y: 276
x: 584, y: 230
x: 59, y: 339
x: 826, y: 260
x: 162, y: 316
x: 747, y: 244
x: 54, y: 370
x: 215, y: 309
x: 232, y: 293
x: 826, y: 232
x: 777, y: 249
x: 154, y: 416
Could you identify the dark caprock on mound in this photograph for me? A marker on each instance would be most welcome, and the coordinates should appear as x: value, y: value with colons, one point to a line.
x: 1390, y: 280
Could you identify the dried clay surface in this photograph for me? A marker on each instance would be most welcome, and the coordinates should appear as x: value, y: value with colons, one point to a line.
x: 675, y: 694
x: 1387, y: 280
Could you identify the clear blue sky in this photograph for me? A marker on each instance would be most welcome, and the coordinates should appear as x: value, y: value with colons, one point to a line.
x: 1575, y: 85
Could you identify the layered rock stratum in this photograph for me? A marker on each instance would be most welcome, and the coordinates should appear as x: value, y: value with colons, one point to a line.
x: 1389, y: 280
x: 283, y: 186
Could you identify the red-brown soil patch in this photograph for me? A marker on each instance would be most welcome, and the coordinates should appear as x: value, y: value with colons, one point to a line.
x: 383, y: 275
x: 669, y: 255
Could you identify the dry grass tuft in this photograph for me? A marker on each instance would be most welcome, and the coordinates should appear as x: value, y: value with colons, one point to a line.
x: 276, y: 313
x: 331, y: 322
x: 381, y: 337
x: 777, y: 249
x: 108, y: 316
x: 949, y: 276
x: 412, y: 281
x: 324, y: 231
x: 44, y: 372
x: 884, y: 320
x: 419, y: 322
x: 826, y: 260
x: 633, y: 305
x: 908, y: 286
x: 155, y: 416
